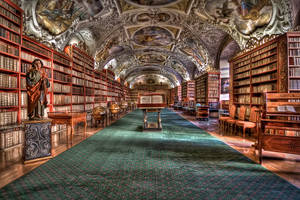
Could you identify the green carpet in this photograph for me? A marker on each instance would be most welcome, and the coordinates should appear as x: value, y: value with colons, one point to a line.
x: 121, y: 162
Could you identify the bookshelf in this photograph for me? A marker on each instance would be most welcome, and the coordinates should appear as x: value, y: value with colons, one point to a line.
x: 271, y: 67
x: 207, y: 89
x: 188, y: 91
x: 11, y: 135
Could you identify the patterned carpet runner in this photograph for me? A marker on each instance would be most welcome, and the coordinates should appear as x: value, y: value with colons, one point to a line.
x: 121, y: 162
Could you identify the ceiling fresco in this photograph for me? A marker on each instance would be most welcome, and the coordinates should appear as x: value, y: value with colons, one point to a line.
x: 176, y: 39
x: 151, y: 2
x: 152, y: 36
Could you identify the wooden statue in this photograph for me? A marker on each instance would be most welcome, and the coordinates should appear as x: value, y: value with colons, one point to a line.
x: 36, y: 84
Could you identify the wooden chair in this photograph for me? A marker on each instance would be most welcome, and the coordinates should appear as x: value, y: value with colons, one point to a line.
x: 223, y: 119
x: 232, y: 122
x: 251, y: 123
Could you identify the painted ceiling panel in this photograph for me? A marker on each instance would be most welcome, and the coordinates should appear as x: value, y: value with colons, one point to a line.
x: 181, y: 37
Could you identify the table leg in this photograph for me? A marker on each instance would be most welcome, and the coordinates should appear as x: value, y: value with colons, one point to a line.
x: 145, y: 119
x: 72, y: 132
x: 85, y: 129
x: 158, y: 119
x: 67, y: 135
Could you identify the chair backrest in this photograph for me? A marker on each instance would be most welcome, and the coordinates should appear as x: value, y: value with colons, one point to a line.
x: 253, y: 114
x: 242, y: 113
x: 232, y: 111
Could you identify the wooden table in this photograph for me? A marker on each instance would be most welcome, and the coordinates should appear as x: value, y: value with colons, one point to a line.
x: 152, y: 126
x: 70, y: 119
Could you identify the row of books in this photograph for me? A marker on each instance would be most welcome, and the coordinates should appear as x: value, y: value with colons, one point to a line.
x: 265, y: 88
x: 294, y: 45
x: 294, y: 72
x: 61, y: 99
x: 9, y: 7
x: 8, y: 118
x: 89, y: 71
x: 100, y: 86
x: 295, y: 84
x: 100, y: 98
x: 5, y: 22
x: 264, y: 61
x: 83, y: 57
x: 242, y: 99
x: 266, y: 68
x: 294, y: 61
x: 78, y: 67
x: 257, y: 100
x: 242, y: 69
x: 242, y: 75
x: 57, y: 87
x: 89, y: 91
x: 61, y: 68
x: 7, y: 48
x: 77, y: 99
x: 242, y: 82
x: 10, y: 36
x: 24, y: 115
x: 271, y: 47
x: 79, y: 74
x: 62, y: 77
x: 88, y: 107
x: 294, y: 39
x: 25, y: 67
x: 90, y: 78
x: 62, y: 59
x: 242, y: 63
x: 111, y: 99
x: 242, y: 59
x: 11, y: 138
x: 24, y: 99
x: 30, y: 57
x: 294, y: 52
x: 77, y: 81
x: 8, y: 81
x: 23, y: 83
x: 9, y: 63
x: 8, y: 14
x: 89, y: 83
x: 78, y: 107
x: 62, y: 108
x: 282, y: 132
x: 77, y: 90
x: 267, y: 77
x: 9, y: 99
x: 242, y: 90
x: 264, y: 55
x: 89, y: 99
x: 37, y: 48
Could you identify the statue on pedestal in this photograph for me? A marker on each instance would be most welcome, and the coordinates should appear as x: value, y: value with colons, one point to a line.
x: 37, y: 85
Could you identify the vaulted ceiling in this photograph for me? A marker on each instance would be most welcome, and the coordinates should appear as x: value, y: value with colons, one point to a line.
x: 173, y: 40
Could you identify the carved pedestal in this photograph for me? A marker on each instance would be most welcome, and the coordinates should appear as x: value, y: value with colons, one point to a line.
x: 37, y: 140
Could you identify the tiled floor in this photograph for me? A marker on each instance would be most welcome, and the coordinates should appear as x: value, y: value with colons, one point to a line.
x: 285, y: 165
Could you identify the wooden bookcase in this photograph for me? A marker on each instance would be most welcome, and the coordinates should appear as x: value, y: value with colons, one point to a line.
x: 188, y: 91
x: 270, y: 67
x: 207, y: 89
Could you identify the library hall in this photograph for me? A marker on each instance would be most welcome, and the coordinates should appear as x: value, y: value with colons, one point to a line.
x: 150, y: 99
